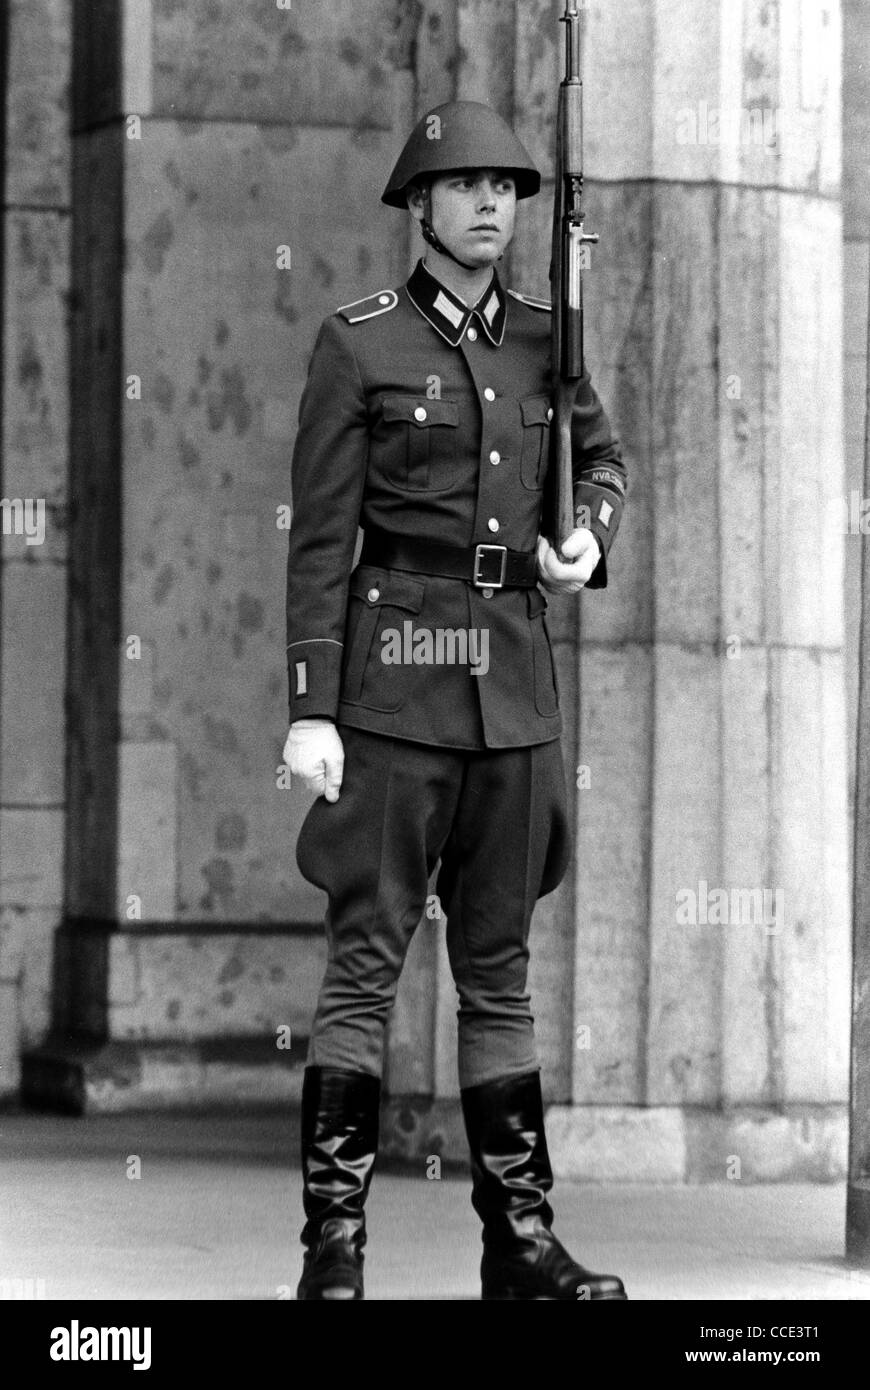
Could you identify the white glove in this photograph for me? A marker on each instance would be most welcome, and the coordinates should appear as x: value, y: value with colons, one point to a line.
x: 314, y: 752
x: 583, y: 553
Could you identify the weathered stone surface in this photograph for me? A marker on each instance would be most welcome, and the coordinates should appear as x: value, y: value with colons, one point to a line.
x: 747, y: 405
x: 116, y: 1077
x: 36, y: 380
x: 10, y: 1001
x: 856, y: 117
x: 810, y: 93
x: 32, y: 682
x: 487, y: 37
x: 539, y: 68
x: 666, y: 1145
x: 618, y: 81
x: 621, y: 302
x: 31, y: 869
x: 35, y: 441
x: 601, y: 1144
x: 684, y: 435
x: 801, y: 1144
x: 27, y: 959
x: 613, y: 819
x: 684, y: 1039
x: 39, y: 43
x: 219, y: 336
x: 856, y: 279
x: 26, y: 937
x: 807, y: 468
x: 164, y: 987
x: 750, y: 1036
x: 417, y: 1130
x: 308, y: 64
x: 147, y: 831
x: 676, y: 92
x: 812, y: 998
x: 435, y: 53
x: 10, y: 1061
x: 856, y: 205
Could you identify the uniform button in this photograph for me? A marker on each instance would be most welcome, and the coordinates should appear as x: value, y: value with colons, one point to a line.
x: 383, y: 299
x: 489, y: 393
x: 472, y: 335
x: 487, y: 593
x: 373, y: 595
x: 492, y: 524
x: 495, y: 456
x: 550, y: 413
x: 419, y: 413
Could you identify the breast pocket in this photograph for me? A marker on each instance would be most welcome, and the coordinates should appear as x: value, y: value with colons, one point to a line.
x: 537, y: 414
x: 546, y: 681
x: 379, y: 603
x: 415, y: 442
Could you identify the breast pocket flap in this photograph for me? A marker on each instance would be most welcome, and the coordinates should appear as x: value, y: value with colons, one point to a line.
x: 536, y: 410
x: 417, y: 410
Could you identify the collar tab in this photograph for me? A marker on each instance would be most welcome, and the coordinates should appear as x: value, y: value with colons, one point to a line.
x: 449, y: 315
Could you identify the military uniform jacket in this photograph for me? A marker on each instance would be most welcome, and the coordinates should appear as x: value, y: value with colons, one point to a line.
x: 427, y: 417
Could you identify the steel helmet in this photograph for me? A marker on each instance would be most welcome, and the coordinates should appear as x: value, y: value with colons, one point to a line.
x: 461, y: 135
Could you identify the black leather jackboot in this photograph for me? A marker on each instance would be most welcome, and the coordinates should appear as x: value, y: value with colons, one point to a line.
x: 511, y: 1176
x: 340, y: 1120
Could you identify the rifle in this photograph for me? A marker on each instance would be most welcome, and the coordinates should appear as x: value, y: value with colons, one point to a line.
x: 566, y: 273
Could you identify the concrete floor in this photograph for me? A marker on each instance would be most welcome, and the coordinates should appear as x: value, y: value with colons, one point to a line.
x: 216, y: 1214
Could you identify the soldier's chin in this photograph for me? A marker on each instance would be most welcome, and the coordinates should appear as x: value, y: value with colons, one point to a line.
x: 482, y: 254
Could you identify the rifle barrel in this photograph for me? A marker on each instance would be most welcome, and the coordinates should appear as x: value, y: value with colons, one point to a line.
x: 571, y: 20
x: 566, y: 271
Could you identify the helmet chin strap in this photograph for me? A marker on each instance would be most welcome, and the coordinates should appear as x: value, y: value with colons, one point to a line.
x: 429, y: 234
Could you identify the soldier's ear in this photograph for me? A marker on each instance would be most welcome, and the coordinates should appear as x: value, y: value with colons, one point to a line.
x: 414, y: 195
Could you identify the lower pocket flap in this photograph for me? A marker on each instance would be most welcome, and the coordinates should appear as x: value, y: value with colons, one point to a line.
x: 390, y: 588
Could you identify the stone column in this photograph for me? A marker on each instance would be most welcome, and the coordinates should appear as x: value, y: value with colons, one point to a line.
x: 224, y: 162
x: 856, y: 275
x: 712, y: 709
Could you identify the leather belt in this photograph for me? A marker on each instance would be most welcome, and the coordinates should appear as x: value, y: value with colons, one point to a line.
x: 484, y: 566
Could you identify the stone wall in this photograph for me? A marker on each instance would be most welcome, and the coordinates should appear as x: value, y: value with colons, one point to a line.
x: 33, y: 577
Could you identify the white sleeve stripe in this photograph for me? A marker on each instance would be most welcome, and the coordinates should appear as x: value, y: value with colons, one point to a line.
x: 302, y: 641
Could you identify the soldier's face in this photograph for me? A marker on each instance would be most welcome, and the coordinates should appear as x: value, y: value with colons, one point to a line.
x: 473, y: 212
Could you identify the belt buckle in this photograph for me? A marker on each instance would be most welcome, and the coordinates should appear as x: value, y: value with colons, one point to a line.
x: 482, y: 583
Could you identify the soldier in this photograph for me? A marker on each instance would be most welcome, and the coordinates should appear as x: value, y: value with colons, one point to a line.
x: 425, y: 419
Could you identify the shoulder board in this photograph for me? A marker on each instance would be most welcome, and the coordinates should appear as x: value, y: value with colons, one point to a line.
x: 532, y: 302
x: 370, y: 307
